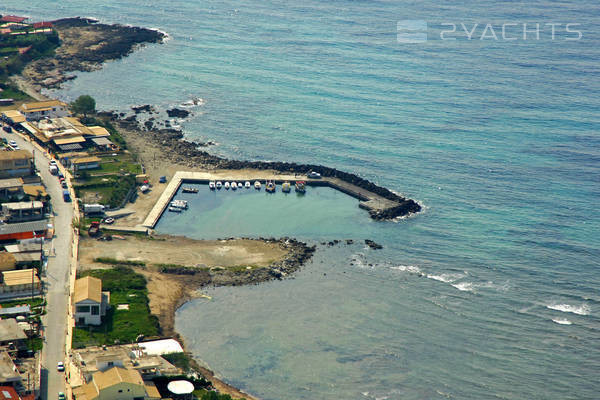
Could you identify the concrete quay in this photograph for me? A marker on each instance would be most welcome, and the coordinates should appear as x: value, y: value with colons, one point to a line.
x: 367, y: 200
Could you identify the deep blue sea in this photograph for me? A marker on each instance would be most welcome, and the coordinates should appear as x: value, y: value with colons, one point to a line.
x: 492, y: 292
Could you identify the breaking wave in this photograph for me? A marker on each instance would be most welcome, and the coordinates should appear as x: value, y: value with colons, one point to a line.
x: 583, y: 309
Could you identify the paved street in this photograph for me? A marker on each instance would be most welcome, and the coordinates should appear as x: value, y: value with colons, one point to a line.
x: 55, y: 321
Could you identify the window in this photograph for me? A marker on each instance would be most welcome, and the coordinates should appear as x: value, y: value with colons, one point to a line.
x: 83, y: 309
x: 120, y: 390
x: 95, y: 310
x: 111, y: 363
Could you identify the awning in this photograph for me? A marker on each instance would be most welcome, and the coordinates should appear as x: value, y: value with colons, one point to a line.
x: 102, y: 141
x: 71, y: 140
x: 70, y: 147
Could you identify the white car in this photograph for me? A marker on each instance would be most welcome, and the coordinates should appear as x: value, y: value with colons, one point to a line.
x: 12, y: 143
x: 60, y: 366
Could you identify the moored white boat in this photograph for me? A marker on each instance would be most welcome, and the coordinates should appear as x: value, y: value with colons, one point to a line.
x: 247, y: 185
x: 211, y: 185
x: 257, y: 185
x: 286, y: 187
x: 226, y: 185
x: 271, y: 188
x: 218, y: 185
x: 233, y: 186
x: 175, y: 209
x: 240, y: 185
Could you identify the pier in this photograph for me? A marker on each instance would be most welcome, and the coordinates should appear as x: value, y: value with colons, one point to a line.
x: 367, y: 200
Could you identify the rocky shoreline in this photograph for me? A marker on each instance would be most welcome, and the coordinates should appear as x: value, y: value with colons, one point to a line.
x: 85, y: 45
x: 180, y: 150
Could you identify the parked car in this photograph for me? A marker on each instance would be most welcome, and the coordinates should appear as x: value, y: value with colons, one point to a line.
x: 64, y: 185
x: 61, y: 396
x: 7, y: 128
x: 12, y: 143
x: 53, y: 162
x: 60, y: 366
x: 109, y: 220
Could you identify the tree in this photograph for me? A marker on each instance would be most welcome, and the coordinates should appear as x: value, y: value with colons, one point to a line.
x: 84, y: 104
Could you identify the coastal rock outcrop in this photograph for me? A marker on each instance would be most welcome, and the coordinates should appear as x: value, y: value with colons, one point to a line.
x: 178, y: 113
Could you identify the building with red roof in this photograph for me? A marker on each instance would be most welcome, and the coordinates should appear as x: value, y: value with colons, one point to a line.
x: 39, y: 25
x: 12, y: 18
x: 8, y: 393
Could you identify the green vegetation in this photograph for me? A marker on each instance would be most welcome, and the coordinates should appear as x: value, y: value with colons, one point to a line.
x: 114, y: 261
x: 12, y: 62
x: 120, y: 326
x: 11, y: 92
x: 85, y: 104
x: 180, y: 360
x: 35, y: 344
x: 203, y: 394
x: 112, y: 191
x: 35, y: 302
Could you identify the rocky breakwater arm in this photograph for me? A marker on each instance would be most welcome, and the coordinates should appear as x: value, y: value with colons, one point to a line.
x: 380, y: 202
x: 85, y: 45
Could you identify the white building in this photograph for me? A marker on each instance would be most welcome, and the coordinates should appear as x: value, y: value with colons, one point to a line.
x: 90, y: 301
x: 44, y: 109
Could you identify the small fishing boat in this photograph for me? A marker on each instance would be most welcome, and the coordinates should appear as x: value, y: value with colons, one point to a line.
x: 218, y: 185
x: 286, y: 187
x: 257, y: 185
x: 211, y: 185
x: 188, y: 189
x: 300, y: 187
x: 226, y: 185
x: 240, y: 185
x: 175, y: 209
x: 182, y: 204
x: 233, y: 186
x: 270, y: 187
x: 247, y: 185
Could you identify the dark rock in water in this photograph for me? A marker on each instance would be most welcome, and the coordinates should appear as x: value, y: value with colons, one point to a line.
x: 349, y: 241
x: 178, y: 113
x: 373, y: 245
x: 148, y: 125
x: 145, y: 108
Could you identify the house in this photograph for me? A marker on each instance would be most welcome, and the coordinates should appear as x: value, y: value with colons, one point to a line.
x: 17, y: 163
x: 23, y: 230
x: 8, y: 261
x: 11, y: 187
x: 44, y: 109
x: 85, y: 163
x: 23, y: 211
x: 40, y: 25
x: 89, y: 301
x: 117, y: 383
x: 9, y: 374
x: 19, y: 283
x: 87, y: 361
x: 8, y: 393
x: 13, y: 18
x: 13, y: 117
x: 11, y: 332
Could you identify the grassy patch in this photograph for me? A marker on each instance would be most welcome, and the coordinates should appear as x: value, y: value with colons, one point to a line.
x: 180, y: 360
x: 37, y: 301
x: 114, y: 261
x: 112, y: 191
x: 35, y: 344
x: 120, y: 326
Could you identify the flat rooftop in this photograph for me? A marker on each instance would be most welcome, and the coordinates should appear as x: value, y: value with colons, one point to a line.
x: 10, y: 330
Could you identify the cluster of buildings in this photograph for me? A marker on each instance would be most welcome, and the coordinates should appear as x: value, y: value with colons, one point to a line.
x: 22, y: 220
x: 50, y: 124
x: 16, y: 25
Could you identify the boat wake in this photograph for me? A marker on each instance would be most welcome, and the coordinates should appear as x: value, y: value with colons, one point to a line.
x: 562, y: 321
x: 583, y: 309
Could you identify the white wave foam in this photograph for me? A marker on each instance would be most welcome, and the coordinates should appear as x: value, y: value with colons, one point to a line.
x: 562, y: 321
x: 583, y: 309
x: 446, y: 278
x: 407, y: 268
x: 464, y: 286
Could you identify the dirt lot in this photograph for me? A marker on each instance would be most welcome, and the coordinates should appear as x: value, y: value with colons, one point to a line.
x: 163, y: 249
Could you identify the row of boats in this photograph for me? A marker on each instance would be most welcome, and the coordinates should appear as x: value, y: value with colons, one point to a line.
x: 270, y: 186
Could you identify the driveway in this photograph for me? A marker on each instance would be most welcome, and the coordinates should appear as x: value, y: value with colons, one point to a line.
x: 57, y: 277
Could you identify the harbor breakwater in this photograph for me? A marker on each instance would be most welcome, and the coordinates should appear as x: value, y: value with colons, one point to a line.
x: 186, y: 152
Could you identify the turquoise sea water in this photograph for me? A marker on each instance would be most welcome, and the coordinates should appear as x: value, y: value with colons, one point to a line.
x: 491, y: 292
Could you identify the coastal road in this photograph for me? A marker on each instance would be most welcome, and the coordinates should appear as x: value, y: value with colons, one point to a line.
x: 57, y: 277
